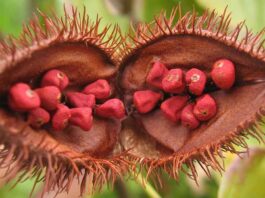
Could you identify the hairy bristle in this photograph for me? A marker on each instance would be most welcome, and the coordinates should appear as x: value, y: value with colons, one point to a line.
x: 56, y: 169
x: 209, y: 25
x: 43, y: 31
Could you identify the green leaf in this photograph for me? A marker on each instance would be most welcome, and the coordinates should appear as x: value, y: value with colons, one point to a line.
x: 251, y: 11
x: 154, y: 7
x: 13, y: 14
x: 21, y: 190
x: 245, y: 177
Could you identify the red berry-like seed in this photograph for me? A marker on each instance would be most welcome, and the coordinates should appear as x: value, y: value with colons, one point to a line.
x: 145, y: 101
x: 113, y: 108
x: 37, y: 117
x: 223, y: 73
x: 100, y: 88
x: 22, y: 98
x: 187, y: 117
x: 77, y: 99
x: 82, y: 117
x: 61, y: 117
x: 156, y: 74
x: 173, y: 82
x: 172, y: 107
x: 196, y: 80
x: 205, y: 108
x: 50, y: 97
x: 55, y: 78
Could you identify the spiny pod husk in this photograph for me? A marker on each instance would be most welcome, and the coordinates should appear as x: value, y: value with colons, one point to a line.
x: 193, y: 42
x: 72, y: 49
x: 112, y: 147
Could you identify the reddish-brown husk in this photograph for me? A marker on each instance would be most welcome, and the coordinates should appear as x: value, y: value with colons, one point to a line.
x: 75, y: 46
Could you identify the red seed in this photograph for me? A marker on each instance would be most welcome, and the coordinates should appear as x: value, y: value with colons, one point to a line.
x: 61, y: 117
x: 196, y: 81
x: 172, y: 107
x: 223, y: 73
x: 187, y: 117
x: 156, y: 75
x: 82, y: 117
x: 50, y: 97
x: 100, y: 88
x: 205, y: 108
x: 77, y: 99
x: 38, y: 117
x: 113, y: 108
x: 173, y: 82
x: 55, y: 78
x: 145, y: 101
x: 22, y: 98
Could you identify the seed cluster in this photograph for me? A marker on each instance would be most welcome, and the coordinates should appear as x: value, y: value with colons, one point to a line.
x: 46, y: 104
x: 189, y: 101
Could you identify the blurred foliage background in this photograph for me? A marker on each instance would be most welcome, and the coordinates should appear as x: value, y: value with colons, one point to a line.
x: 243, y: 178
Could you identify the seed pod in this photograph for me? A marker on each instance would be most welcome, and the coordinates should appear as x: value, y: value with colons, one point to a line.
x: 50, y: 97
x: 37, y: 117
x: 77, y: 99
x: 156, y: 74
x: 188, y: 119
x: 172, y: 107
x: 151, y: 141
x: 205, y: 108
x: 55, y: 78
x: 173, y: 82
x: 223, y: 73
x: 84, y: 55
x: 112, y: 108
x: 196, y: 81
x: 61, y: 118
x: 82, y: 117
x: 145, y: 101
x: 22, y: 98
x: 197, y: 42
x: 100, y: 89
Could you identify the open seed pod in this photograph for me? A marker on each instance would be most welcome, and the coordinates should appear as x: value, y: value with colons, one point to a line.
x: 192, y: 42
x: 76, y: 46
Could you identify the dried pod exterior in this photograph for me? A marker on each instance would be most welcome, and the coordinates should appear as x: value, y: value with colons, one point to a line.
x: 193, y: 42
x: 66, y: 53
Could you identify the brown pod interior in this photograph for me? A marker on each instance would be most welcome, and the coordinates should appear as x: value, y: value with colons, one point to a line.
x: 236, y: 107
x: 83, y: 64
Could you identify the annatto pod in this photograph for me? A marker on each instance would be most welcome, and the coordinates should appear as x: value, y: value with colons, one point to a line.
x: 193, y: 42
x: 113, y: 147
x: 76, y: 47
